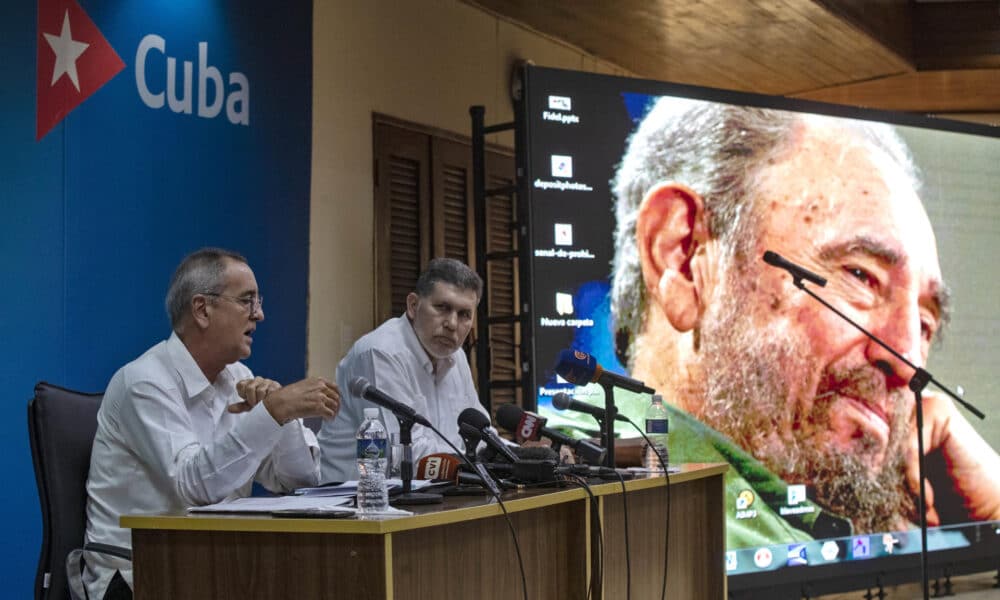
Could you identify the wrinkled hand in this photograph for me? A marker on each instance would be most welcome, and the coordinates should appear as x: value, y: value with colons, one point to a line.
x: 311, y: 397
x: 252, y: 391
x: 971, y: 477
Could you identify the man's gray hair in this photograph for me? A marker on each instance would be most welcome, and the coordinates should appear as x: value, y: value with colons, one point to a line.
x: 201, y: 272
x: 449, y: 270
x: 716, y: 150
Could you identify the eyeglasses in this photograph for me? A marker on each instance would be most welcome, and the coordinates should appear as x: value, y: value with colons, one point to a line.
x: 253, y: 304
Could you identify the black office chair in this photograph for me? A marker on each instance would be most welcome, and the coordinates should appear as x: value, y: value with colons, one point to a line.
x: 61, y: 426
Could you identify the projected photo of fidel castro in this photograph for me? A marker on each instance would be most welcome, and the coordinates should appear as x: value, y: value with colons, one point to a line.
x: 759, y: 374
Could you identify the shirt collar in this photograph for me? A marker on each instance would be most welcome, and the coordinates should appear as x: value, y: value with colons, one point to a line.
x: 191, y: 376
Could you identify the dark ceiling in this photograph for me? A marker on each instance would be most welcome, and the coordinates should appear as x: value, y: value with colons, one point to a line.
x: 928, y: 56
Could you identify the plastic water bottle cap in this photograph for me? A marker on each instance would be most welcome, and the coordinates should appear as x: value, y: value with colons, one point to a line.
x: 371, y: 413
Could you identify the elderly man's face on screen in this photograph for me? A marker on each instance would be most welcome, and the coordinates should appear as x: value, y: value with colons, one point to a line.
x: 787, y: 378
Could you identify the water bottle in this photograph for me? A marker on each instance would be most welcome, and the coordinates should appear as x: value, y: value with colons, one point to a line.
x: 373, y: 496
x: 657, y: 427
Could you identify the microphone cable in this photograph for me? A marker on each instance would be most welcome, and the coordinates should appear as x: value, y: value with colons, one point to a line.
x: 597, y: 575
x: 628, y: 559
x: 503, y: 507
x: 666, y: 528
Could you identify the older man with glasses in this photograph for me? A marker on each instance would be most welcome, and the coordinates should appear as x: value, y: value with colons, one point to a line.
x: 187, y: 424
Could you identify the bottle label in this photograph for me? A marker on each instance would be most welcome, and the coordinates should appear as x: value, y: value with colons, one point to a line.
x: 371, y: 449
x: 656, y: 426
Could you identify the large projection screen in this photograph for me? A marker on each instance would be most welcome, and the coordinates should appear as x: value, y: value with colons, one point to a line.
x: 780, y: 524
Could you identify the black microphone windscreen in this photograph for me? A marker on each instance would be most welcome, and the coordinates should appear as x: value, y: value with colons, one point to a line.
x: 474, y: 417
x: 535, y: 453
x: 561, y: 401
x: 509, y: 416
x: 486, y: 454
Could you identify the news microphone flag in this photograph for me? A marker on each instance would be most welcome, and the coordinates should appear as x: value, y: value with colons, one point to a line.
x: 527, y: 425
x: 439, y: 466
x: 581, y: 368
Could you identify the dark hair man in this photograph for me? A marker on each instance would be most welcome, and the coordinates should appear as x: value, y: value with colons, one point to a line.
x: 416, y: 358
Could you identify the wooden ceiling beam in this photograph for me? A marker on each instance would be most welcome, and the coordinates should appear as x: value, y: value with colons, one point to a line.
x: 956, y: 35
x: 771, y: 47
x: 957, y: 91
x: 888, y: 22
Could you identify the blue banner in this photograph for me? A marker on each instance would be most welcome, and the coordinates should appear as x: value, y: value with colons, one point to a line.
x: 133, y: 133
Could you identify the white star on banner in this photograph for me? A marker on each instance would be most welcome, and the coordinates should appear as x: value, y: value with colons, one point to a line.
x: 67, y: 51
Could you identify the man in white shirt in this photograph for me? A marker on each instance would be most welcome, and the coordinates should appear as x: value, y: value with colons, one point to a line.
x: 187, y: 424
x: 417, y: 359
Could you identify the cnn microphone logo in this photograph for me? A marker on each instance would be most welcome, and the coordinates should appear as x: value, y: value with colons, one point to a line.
x: 528, y: 426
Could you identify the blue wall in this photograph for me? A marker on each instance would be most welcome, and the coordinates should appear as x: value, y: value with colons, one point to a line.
x: 98, y: 212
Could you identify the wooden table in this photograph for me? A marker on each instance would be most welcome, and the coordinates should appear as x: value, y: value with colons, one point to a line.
x: 460, y: 549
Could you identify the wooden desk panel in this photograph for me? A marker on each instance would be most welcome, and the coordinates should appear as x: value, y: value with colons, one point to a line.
x: 697, y: 540
x: 461, y: 549
x: 477, y: 559
x: 242, y: 565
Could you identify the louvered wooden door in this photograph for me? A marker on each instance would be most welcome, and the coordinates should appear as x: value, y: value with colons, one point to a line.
x: 424, y: 209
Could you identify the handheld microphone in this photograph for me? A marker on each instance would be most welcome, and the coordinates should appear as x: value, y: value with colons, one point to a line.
x: 563, y: 401
x: 360, y: 387
x: 443, y: 466
x: 472, y: 419
x: 535, y: 464
x: 798, y: 273
x: 531, y: 427
x: 439, y: 466
x: 523, y: 454
x: 581, y: 368
x: 526, y: 426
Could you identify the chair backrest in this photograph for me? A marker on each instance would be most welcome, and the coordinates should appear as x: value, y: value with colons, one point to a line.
x: 61, y: 426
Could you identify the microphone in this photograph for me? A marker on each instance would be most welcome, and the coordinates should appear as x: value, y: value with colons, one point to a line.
x: 523, y: 453
x: 471, y: 419
x: 360, y: 387
x: 563, y: 401
x: 523, y: 424
x: 581, y: 368
x: 535, y: 464
x: 798, y: 273
x: 439, y: 466
x: 529, y: 426
x: 443, y: 466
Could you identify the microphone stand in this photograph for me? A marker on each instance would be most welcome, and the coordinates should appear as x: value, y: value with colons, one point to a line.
x: 471, y: 438
x: 917, y: 384
x: 608, y: 424
x: 408, y: 496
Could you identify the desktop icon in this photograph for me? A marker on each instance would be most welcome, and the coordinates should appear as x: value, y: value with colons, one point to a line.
x: 560, y: 103
x: 762, y: 558
x: 562, y: 166
x: 731, y: 560
x: 797, y: 555
x: 564, y: 234
x: 889, y: 542
x: 564, y: 303
x: 860, y: 547
x: 744, y: 499
x: 830, y: 550
x: 796, y: 494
